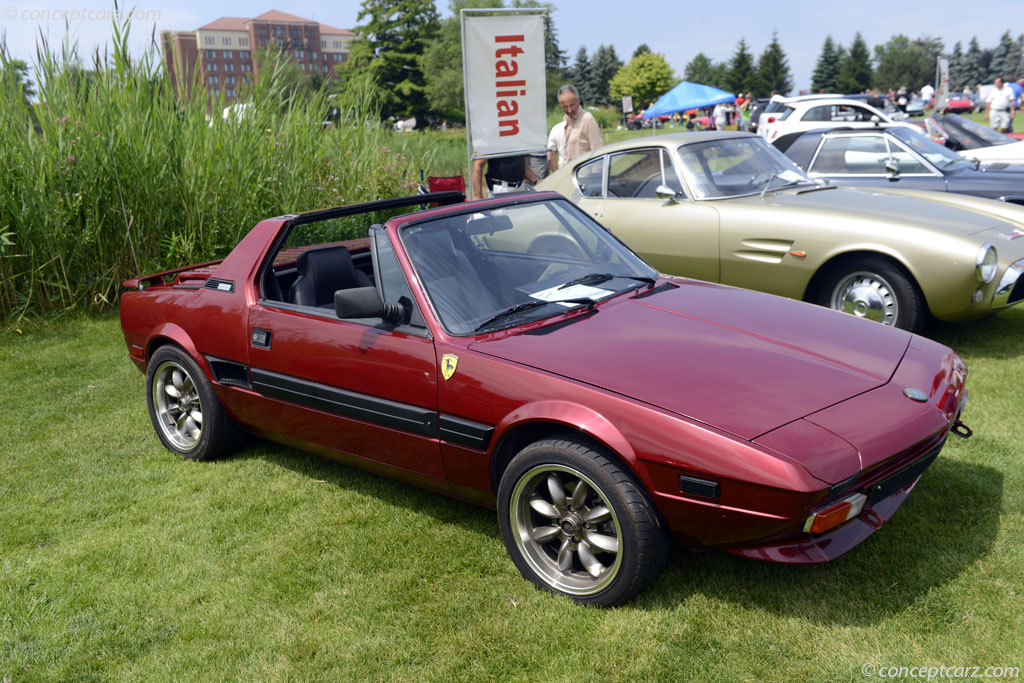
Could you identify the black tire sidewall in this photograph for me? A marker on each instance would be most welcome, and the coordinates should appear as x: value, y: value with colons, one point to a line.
x: 213, y: 417
x: 912, y: 308
x: 561, y: 452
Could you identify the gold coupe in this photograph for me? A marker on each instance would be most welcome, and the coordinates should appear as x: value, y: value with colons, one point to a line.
x: 730, y: 208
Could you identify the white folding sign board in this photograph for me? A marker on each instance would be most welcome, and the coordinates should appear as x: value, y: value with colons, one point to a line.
x: 504, y: 78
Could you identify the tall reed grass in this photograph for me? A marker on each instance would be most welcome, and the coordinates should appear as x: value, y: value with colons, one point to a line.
x: 112, y: 174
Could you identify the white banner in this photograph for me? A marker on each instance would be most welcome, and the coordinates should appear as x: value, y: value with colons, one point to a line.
x: 941, y: 83
x: 505, y: 87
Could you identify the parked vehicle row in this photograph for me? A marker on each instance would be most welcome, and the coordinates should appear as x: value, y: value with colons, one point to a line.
x: 795, y: 114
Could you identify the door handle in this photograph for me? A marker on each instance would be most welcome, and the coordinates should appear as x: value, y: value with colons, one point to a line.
x: 261, y: 338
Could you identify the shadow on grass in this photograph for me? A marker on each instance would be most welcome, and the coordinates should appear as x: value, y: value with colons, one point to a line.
x: 948, y: 522
x: 995, y: 337
x: 439, y: 506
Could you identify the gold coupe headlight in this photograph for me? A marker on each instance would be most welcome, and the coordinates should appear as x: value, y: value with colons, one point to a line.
x: 985, y: 265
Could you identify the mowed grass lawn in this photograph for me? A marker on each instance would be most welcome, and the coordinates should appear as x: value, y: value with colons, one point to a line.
x: 120, y: 561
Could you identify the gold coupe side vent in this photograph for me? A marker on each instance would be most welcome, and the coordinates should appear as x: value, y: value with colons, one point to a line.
x: 766, y: 251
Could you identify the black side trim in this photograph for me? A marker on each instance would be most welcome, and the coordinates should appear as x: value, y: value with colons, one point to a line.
x: 379, y: 411
x: 230, y: 373
x: 548, y: 329
x: 660, y: 288
x: 465, y: 432
x: 703, y: 488
x: 887, y: 487
x: 219, y: 285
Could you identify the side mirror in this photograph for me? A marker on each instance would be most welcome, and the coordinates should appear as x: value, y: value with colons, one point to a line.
x: 875, y: 120
x: 365, y: 302
x: 892, y: 167
x: 666, y: 192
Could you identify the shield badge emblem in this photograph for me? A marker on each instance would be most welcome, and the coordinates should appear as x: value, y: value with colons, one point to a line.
x: 449, y: 362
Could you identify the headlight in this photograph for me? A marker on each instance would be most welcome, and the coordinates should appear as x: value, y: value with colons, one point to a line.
x: 985, y: 264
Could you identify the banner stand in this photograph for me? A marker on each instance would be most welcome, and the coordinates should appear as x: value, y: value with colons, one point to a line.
x: 465, y: 16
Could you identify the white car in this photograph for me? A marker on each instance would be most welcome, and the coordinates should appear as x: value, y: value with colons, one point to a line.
x: 808, y: 113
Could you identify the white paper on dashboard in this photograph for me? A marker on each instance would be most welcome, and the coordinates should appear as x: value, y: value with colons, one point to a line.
x: 574, y: 292
x: 791, y: 176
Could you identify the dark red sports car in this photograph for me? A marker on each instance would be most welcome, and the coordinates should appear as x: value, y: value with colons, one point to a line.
x: 514, y: 353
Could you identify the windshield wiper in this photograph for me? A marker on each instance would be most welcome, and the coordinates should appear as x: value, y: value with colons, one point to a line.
x: 596, y: 278
x: 528, y: 305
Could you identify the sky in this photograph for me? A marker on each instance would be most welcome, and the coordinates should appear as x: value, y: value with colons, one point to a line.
x: 677, y: 30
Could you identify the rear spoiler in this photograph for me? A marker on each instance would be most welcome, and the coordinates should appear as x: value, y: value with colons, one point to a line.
x: 191, y: 276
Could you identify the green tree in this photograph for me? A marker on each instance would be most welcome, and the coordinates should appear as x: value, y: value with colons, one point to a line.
x: 702, y: 69
x: 1014, y: 59
x: 442, y: 70
x: 647, y: 77
x: 17, y: 70
x: 826, y: 70
x: 581, y: 75
x: 956, y: 67
x: 974, y: 69
x: 396, y: 33
x: 604, y: 67
x: 1000, y: 65
x: 772, y: 71
x: 855, y: 70
x: 902, y: 63
x: 642, y: 48
x: 741, y: 74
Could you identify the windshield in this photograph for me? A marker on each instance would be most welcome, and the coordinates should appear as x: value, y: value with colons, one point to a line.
x: 493, y: 269
x: 737, y: 166
x: 942, y: 157
x: 973, y: 135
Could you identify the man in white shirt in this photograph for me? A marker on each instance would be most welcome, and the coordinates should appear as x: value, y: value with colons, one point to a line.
x: 556, y: 145
x: 999, y: 106
x: 927, y: 92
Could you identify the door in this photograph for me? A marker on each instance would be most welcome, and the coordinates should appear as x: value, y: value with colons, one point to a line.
x: 358, y: 386
x: 677, y: 236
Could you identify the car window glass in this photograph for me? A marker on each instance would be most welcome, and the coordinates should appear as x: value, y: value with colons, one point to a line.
x: 589, y: 178
x: 476, y: 265
x: 735, y: 166
x: 786, y: 111
x: 637, y: 174
x: 908, y: 163
x: 864, y: 155
x: 393, y: 285
x: 817, y: 114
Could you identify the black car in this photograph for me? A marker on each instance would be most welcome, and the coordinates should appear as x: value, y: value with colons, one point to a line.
x: 897, y: 157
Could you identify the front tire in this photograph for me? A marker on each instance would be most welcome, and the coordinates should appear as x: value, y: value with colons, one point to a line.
x: 184, y: 409
x: 877, y: 290
x: 577, y: 524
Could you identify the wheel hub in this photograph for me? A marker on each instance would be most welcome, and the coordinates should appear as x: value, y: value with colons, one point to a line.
x: 571, y: 524
x: 865, y: 301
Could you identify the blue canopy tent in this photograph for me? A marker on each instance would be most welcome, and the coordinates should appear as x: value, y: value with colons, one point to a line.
x: 686, y: 96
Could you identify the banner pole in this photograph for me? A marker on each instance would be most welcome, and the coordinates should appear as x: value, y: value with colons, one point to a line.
x: 465, y: 100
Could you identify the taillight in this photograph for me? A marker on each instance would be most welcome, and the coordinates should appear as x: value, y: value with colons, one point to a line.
x: 771, y: 119
x: 835, y: 514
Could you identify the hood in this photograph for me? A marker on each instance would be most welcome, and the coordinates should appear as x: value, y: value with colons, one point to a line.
x: 1010, y: 153
x: 955, y: 214
x: 741, y: 361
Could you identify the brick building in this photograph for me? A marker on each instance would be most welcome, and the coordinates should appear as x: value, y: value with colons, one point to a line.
x: 223, y: 50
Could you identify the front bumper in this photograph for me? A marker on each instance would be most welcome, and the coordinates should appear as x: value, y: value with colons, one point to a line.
x: 1011, y: 286
x: 884, y: 498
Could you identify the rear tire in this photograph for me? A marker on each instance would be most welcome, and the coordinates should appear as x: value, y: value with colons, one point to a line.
x: 577, y: 524
x: 184, y: 409
x: 875, y: 289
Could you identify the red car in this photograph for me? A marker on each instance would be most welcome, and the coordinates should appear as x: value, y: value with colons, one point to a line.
x: 956, y: 103
x: 512, y: 352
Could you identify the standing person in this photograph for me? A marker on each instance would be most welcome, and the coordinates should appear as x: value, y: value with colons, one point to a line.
x: 927, y: 92
x: 556, y: 146
x: 582, y: 134
x: 720, y: 116
x: 504, y: 174
x: 999, y: 106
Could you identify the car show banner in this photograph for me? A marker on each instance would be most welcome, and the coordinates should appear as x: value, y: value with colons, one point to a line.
x: 941, y: 81
x: 503, y: 58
